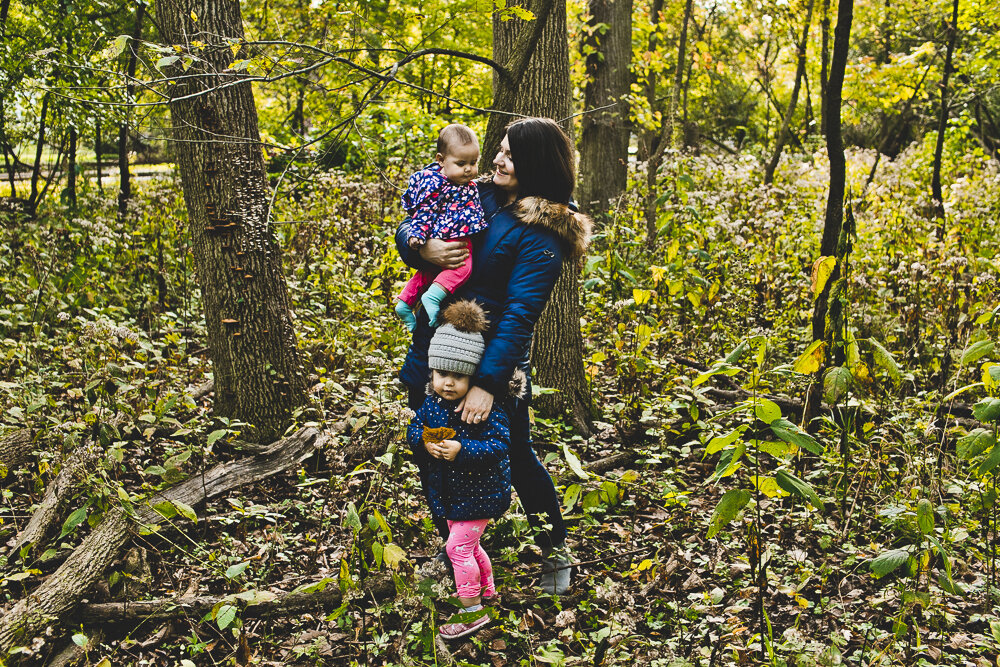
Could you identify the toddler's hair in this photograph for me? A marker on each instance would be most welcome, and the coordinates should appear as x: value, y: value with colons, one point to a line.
x: 454, y: 135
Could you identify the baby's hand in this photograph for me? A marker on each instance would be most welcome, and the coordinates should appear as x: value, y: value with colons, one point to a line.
x: 414, y: 242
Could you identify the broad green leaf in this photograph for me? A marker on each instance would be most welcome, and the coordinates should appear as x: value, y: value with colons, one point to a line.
x: 791, y: 433
x: 735, y: 355
x: 80, y: 639
x: 383, y: 524
x: 961, y: 390
x: 987, y: 410
x: 641, y: 296
x: 810, y: 360
x: 779, y: 450
x: 768, y: 486
x: 351, y: 518
x: 166, y: 61
x: 977, y: 351
x: 721, y: 442
x: 821, y: 272
x: 215, y: 435
x: 165, y: 509
x: 574, y: 463
x: 886, y: 360
x: 225, y: 616
x: 991, y: 461
x: 728, y: 462
x: 721, y: 369
x: 925, y: 516
x: 836, y: 382
x: 72, y: 521
x: 991, y: 376
x: 767, y: 410
x: 591, y: 499
x: 118, y: 46
x: 995, y: 630
x: 185, y: 511
x: 975, y: 443
x: 346, y: 581
x: 571, y: 497
x: 236, y: 570
x: 888, y: 562
x: 393, y: 555
x: 314, y: 587
x: 730, y: 504
x: 256, y: 597
x: 796, y: 486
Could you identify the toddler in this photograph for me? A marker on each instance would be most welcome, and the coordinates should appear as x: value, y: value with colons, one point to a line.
x: 443, y: 203
x: 465, y: 468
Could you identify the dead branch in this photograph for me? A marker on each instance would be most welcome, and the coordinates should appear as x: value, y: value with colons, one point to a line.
x: 57, y: 494
x: 284, y: 605
x: 62, y: 591
x: 15, y: 449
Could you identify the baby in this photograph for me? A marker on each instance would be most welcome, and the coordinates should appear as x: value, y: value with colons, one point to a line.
x: 443, y: 203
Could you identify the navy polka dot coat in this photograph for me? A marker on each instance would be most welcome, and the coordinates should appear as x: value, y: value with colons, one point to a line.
x: 476, y: 485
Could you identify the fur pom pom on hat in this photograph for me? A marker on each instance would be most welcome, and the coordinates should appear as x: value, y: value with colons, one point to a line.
x: 457, y: 346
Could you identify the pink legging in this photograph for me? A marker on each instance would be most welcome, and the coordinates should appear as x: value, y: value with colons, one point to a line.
x: 449, y: 279
x: 473, y: 571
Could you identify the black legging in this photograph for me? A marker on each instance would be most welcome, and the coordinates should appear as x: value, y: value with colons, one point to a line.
x: 529, y: 477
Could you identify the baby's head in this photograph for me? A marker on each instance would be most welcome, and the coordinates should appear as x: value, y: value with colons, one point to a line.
x: 458, y: 154
x: 456, y: 349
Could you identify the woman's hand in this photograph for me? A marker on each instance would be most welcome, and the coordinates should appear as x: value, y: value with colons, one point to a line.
x: 476, y: 406
x: 446, y: 254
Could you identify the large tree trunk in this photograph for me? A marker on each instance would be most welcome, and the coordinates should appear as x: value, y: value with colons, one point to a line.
x: 824, y: 64
x: 124, y: 176
x: 937, y: 196
x: 800, y: 70
x: 34, y: 197
x: 258, y: 375
x: 514, y: 46
x: 544, y: 90
x: 676, y: 134
x: 604, y: 130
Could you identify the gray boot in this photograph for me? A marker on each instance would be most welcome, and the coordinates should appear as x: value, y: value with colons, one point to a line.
x: 557, y: 571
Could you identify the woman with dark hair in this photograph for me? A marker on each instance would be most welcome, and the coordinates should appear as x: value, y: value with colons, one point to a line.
x: 516, y: 262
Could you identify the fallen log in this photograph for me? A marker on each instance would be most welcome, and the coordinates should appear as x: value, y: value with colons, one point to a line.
x: 281, y: 606
x: 62, y: 591
x: 15, y: 450
x: 57, y: 493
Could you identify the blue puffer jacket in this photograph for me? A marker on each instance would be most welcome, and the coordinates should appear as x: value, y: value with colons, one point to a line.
x: 515, y: 264
x: 476, y: 485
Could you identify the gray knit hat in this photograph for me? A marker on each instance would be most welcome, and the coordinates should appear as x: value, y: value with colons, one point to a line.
x: 457, y: 346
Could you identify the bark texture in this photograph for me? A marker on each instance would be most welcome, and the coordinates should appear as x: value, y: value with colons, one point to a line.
x: 937, y: 196
x: 282, y: 606
x: 256, y: 365
x: 544, y: 90
x: 15, y: 449
x: 60, y: 593
x: 74, y: 469
x: 604, y: 130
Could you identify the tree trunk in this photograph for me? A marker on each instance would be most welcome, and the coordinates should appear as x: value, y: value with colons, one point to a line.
x: 97, y: 153
x: 675, y: 135
x: 36, y: 170
x: 514, y: 45
x: 834, y: 218
x: 800, y: 70
x: 124, y: 176
x: 544, y: 90
x: 824, y: 65
x: 604, y: 131
x: 71, y: 170
x: 937, y: 196
x: 258, y: 375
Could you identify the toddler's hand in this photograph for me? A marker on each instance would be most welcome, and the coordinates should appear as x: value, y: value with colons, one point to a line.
x: 448, y: 449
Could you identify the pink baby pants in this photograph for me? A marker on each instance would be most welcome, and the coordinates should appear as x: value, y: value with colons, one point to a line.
x: 449, y: 279
x: 473, y: 571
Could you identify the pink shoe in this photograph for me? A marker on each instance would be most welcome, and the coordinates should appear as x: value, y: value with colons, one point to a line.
x: 456, y: 630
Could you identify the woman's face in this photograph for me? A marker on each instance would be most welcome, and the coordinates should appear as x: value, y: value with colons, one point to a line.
x: 504, y: 176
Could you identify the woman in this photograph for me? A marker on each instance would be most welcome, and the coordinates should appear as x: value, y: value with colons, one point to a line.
x: 516, y: 261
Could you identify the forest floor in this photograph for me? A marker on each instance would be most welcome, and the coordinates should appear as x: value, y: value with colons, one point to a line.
x: 706, y: 529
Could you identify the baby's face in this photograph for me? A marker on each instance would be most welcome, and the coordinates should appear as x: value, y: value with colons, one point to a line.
x: 459, y: 164
x: 450, y: 386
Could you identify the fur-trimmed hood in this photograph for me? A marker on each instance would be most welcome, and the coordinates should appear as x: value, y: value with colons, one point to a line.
x: 516, y: 388
x: 573, y: 228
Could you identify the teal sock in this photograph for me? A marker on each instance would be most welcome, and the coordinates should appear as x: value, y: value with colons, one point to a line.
x: 432, y: 299
x: 406, y: 314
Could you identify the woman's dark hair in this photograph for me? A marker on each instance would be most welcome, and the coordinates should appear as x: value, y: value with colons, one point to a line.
x: 543, y: 159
